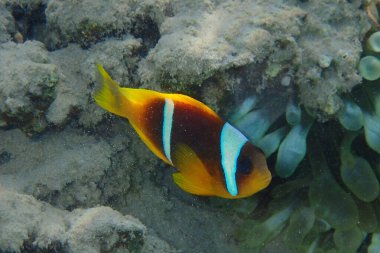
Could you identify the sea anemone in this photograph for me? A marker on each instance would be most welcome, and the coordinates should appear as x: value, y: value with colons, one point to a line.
x: 325, y: 192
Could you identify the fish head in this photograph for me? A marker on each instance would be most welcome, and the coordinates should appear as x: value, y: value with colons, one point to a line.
x: 252, y: 174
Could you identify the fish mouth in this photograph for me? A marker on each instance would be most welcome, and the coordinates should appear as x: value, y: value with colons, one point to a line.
x: 261, y: 182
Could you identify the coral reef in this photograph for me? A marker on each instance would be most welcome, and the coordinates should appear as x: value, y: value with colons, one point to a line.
x: 300, y: 60
x: 27, y: 85
x: 86, y: 21
x: 97, y: 19
x: 266, y: 36
x: 28, y: 225
x: 335, y: 192
x: 73, y: 92
x: 53, y: 168
x: 73, y: 169
x: 7, y: 26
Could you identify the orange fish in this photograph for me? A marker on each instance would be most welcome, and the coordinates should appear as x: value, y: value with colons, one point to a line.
x: 212, y: 157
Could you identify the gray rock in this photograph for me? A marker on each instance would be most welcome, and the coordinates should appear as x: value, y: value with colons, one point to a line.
x: 73, y: 93
x: 23, y: 217
x: 87, y: 21
x: 209, y: 49
x: 206, y: 39
x: 7, y: 25
x: 28, y: 21
x: 154, y: 244
x: 27, y: 85
x: 331, y: 43
x: 28, y: 224
x: 27, y: 4
x: 63, y: 169
x: 102, y: 229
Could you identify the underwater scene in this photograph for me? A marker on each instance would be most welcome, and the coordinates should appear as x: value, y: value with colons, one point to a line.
x: 190, y: 126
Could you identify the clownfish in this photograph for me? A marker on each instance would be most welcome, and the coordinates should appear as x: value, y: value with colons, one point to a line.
x: 212, y: 157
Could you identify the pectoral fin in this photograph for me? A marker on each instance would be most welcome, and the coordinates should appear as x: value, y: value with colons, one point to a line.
x: 192, y: 176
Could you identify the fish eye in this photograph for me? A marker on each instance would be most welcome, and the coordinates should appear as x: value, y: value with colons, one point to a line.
x: 245, y: 166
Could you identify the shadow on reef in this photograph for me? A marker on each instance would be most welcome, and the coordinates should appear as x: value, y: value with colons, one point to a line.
x: 330, y: 200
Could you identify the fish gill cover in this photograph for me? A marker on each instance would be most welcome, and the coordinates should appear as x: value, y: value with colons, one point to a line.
x: 292, y: 67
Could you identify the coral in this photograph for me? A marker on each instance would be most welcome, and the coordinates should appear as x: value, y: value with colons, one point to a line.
x: 30, y: 225
x: 73, y: 168
x: 94, y: 22
x: 28, y: 19
x: 27, y: 85
x: 112, y: 231
x: 54, y: 163
x: 333, y: 196
x: 86, y: 22
x: 298, y: 56
x: 195, y: 45
x: 268, y: 37
x: 73, y: 92
x: 7, y: 25
x: 330, y: 59
x: 28, y: 4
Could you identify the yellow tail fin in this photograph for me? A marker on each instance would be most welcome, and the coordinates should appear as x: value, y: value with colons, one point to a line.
x: 108, y: 94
